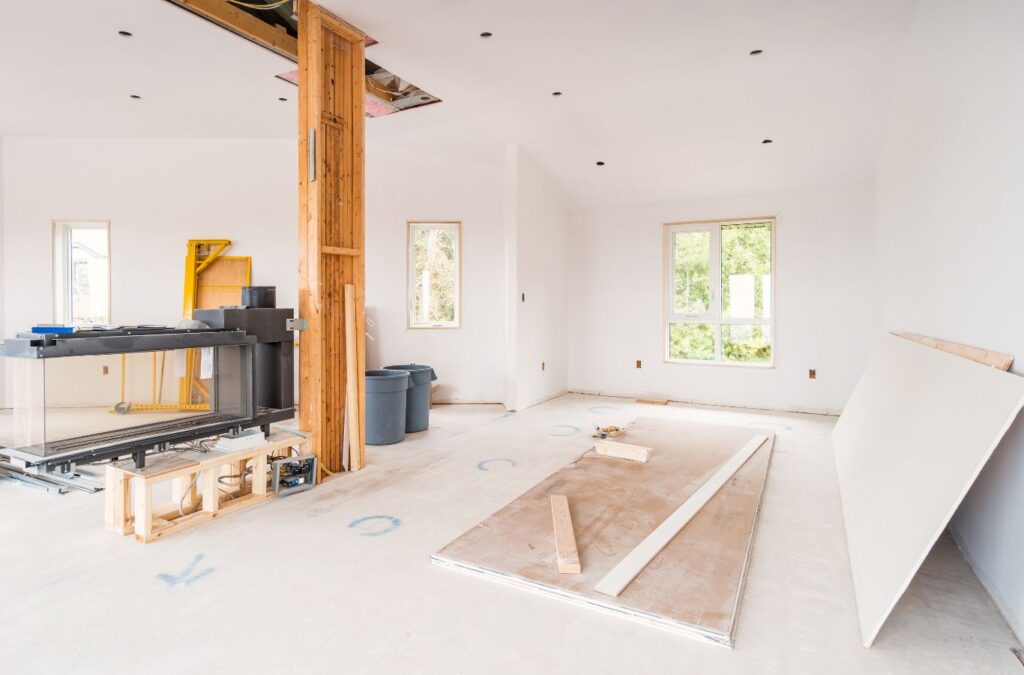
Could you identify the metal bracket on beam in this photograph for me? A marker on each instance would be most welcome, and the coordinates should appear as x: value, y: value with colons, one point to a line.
x: 295, y: 324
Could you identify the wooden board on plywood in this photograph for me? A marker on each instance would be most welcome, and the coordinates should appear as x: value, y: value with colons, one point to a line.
x: 693, y: 586
x: 566, y: 554
x: 913, y: 437
x: 636, y: 453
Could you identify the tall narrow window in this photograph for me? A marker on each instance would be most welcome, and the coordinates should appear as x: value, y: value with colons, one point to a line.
x: 718, y: 292
x: 434, y: 274
x: 81, y: 272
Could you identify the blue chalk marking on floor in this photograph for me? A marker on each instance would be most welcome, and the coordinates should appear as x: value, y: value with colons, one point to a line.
x: 188, y: 575
x: 570, y: 430
x: 482, y: 466
x: 602, y: 409
x: 389, y: 523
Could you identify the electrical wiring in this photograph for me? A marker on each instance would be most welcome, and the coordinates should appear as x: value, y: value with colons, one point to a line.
x: 250, y: 5
x: 186, y: 493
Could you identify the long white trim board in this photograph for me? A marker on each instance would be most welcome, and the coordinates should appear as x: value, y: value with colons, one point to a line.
x: 912, y: 439
x: 637, y: 559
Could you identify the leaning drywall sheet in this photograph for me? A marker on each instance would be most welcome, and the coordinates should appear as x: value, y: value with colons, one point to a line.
x: 917, y: 430
x: 692, y: 586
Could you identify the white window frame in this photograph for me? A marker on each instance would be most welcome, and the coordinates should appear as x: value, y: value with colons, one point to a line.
x: 410, y: 265
x: 62, y: 266
x: 714, y: 313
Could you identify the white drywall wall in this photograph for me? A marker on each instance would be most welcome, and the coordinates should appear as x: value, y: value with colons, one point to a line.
x: 949, y: 235
x: 822, y: 302
x: 536, y: 216
x: 159, y: 193
x: 156, y: 194
x: 403, y: 185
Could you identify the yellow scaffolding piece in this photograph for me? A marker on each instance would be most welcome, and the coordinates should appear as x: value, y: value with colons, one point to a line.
x: 226, y: 275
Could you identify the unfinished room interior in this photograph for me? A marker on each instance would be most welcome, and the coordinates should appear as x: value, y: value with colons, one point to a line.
x: 579, y: 336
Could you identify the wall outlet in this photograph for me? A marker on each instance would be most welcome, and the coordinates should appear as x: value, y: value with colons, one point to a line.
x: 639, y: 364
x: 812, y: 373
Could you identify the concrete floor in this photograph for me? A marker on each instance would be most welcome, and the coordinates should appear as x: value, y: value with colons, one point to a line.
x: 338, y: 579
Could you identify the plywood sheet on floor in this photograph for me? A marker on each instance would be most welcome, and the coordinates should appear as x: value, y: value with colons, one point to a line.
x: 693, y: 586
x: 916, y: 432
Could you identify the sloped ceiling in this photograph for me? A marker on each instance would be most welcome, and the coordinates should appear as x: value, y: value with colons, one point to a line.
x: 663, y: 91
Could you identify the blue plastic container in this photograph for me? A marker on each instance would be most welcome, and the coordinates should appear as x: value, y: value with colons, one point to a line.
x: 417, y: 405
x: 385, y: 406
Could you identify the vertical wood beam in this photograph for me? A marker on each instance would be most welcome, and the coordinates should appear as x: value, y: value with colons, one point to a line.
x: 331, y: 84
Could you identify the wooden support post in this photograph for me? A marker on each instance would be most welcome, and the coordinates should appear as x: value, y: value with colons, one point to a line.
x: 210, y: 493
x: 143, y: 506
x: 331, y: 235
x: 118, y: 506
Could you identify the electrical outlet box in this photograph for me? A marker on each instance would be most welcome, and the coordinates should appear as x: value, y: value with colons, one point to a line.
x: 106, y: 370
x: 293, y: 474
x: 542, y: 365
x: 812, y: 373
x: 638, y: 363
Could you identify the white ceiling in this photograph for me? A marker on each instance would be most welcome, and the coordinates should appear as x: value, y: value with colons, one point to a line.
x: 66, y: 72
x: 663, y: 91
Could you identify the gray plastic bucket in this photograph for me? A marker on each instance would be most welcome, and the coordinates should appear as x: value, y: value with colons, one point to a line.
x: 385, y: 406
x: 417, y: 405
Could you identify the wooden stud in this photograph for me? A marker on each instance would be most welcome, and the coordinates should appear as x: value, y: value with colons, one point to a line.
x: 338, y: 250
x: 331, y: 235
x: 357, y: 450
x: 623, y: 574
x: 143, y: 506
x: 565, y: 539
x: 209, y: 491
x: 982, y: 356
x: 118, y: 506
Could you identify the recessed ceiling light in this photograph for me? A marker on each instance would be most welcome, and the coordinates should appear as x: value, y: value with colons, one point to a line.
x: 600, y: 163
x: 766, y: 141
x: 486, y: 35
x: 756, y: 52
x: 135, y: 96
x: 556, y: 93
x: 124, y: 33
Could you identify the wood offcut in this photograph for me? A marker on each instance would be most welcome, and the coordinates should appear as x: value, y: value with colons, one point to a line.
x: 568, y: 558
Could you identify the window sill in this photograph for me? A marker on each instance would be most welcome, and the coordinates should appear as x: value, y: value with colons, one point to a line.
x: 441, y: 326
x: 725, y: 364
